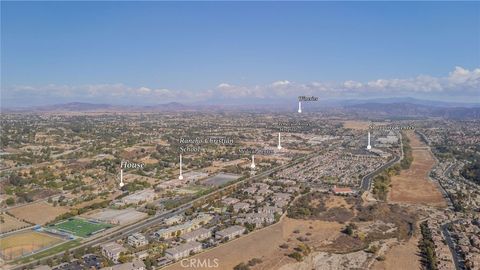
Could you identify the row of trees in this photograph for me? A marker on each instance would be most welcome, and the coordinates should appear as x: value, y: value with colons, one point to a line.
x: 381, y: 182
x: 407, y: 153
x: 427, y: 248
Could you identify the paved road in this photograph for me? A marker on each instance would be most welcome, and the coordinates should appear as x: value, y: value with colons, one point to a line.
x: 366, y: 184
x: 367, y: 179
x: 127, y: 230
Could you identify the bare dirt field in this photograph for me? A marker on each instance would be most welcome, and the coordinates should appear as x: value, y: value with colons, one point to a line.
x: 18, y: 244
x: 413, y: 186
x: 130, y: 177
x: 38, y: 213
x: 336, y: 201
x: 110, y: 196
x: 10, y: 223
x: 360, y: 125
x: 264, y: 244
x: 331, y: 261
x: 400, y: 257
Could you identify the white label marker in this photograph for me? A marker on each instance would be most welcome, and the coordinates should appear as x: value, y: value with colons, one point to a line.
x: 121, y: 178
x: 369, y: 146
x: 181, y: 175
x: 279, y: 144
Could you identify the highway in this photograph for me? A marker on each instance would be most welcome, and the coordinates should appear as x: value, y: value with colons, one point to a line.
x: 157, y: 219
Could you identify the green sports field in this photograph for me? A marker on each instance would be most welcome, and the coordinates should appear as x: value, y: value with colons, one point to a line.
x: 80, y: 227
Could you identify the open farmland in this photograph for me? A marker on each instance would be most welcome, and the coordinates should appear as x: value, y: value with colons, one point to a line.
x: 38, y: 213
x: 10, y: 223
x: 23, y: 243
x: 413, y: 185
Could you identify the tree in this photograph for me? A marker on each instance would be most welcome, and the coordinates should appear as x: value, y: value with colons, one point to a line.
x: 10, y: 201
x: 349, y: 229
x: 241, y: 266
x: 124, y: 258
x: 296, y: 255
x: 66, y: 256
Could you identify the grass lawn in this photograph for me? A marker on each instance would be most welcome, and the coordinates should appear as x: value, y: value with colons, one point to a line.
x: 79, y: 227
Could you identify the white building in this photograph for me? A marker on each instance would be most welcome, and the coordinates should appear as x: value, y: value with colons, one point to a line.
x: 183, y: 250
x: 269, y: 210
x: 229, y: 201
x: 241, y: 206
x: 112, y: 251
x: 259, y: 219
x: 230, y: 232
x: 197, y: 235
x: 137, y: 240
x: 174, y: 220
x: 183, y: 228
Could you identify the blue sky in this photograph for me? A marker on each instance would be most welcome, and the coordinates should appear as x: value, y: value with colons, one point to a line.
x: 154, y: 52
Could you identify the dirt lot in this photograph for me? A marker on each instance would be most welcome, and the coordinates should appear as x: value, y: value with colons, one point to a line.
x: 264, y: 244
x: 38, y: 213
x: 402, y: 256
x: 110, y: 196
x: 331, y: 261
x: 10, y: 223
x: 336, y: 201
x: 130, y: 177
x: 413, y: 186
x: 415, y: 140
x: 16, y: 245
x: 360, y: 125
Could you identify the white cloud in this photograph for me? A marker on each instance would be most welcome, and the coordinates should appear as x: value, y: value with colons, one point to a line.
x: 224, y: 86
x: 460, y: 81
x: 281, y: 83
x: 352, y: 84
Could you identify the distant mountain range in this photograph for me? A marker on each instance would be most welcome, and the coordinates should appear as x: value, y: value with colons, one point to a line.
x: 384, y: 107
x: 92, y: 107
x: 410, y: 100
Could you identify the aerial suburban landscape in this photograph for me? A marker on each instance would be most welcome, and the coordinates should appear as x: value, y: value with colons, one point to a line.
x: 314, y: 172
